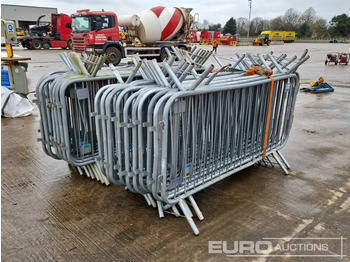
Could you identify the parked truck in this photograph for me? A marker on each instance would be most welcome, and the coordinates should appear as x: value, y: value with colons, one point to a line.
x: 147, y: 33
x: 266, y: 37
x: 195, y: 36
x: 207, y: 37
x: 54, y: 34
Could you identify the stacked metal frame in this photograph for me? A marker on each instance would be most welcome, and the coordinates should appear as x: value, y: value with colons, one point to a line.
x: 178, y: 133
x: 173, y: 132
x: 66, y: 101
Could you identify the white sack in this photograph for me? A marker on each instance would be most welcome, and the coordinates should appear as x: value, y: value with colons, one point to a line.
x: 13, y: 105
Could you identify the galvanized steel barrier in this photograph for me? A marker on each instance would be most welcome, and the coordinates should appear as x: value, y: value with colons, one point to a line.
x: 66, y: 100
x: 174, y: 132
x: 170, y: 139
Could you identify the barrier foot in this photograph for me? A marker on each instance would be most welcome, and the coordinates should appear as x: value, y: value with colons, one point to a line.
x: 175, y: 211
x: 196, y: 208
x: 283, y: 159
x: 160, y: 209
x: 275, y: 156
x: 147, y: 200
x: 153, y: 202
x: 268, y: 159
x: 188, y: 216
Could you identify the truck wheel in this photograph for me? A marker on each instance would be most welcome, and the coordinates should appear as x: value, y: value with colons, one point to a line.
x: 70, y: 45
x: 163, y: 55
x: 46, y: 45
x: 24, y: 44
x: 37, y: 44
x: 113, y: 56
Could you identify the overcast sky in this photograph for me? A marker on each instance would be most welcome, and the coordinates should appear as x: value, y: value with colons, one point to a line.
x: 214, y: 11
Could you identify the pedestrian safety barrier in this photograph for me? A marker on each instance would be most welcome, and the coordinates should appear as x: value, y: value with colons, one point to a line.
x: 66, y: 100
x: 172, y: 132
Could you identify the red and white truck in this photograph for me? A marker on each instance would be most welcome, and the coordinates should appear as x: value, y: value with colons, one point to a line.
x: 54, y: 34
x: 147, y: 33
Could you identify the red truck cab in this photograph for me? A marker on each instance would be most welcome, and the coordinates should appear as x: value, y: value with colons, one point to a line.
x: 61, y: 34
x: 56, y: 34
x: 96, y: 32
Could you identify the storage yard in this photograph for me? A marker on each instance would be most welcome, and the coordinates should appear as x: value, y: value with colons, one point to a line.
x: 51, y: 213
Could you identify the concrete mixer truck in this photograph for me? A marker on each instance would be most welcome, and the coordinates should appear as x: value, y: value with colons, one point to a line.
x: 146, y: 34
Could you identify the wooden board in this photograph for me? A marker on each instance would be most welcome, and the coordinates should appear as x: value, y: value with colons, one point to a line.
x: 14, y: 59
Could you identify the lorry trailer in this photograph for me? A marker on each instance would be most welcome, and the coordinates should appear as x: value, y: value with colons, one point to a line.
x: 56, y: 34
x: 266, y: 37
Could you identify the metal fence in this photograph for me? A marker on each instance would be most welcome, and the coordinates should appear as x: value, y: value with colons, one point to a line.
x: 172, y: 132
x: 172, y: 137
x: 66, y: 101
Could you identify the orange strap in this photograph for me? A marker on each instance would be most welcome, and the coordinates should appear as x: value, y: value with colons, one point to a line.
x: 268, y: 116
x: 261, y: 70
x: 251, y: 71
x: 264, y: 71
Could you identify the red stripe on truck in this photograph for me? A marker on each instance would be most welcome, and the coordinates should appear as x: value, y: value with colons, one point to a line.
x: 158, y: 10
x: 172, y: 25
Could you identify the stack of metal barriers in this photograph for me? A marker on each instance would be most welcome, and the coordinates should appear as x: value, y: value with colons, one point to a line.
x: 171, y: 132
x: 66, y: 100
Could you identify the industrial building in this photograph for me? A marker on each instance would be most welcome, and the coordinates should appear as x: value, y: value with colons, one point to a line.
x: 24, y: 16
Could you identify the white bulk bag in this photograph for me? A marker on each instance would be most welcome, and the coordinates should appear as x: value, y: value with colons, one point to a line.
x: 13, y: 105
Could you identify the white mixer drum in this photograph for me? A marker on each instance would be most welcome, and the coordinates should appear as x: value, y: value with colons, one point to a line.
x: 159, y: 24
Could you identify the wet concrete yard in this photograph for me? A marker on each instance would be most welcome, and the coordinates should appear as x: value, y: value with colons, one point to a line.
x: 51, y: 213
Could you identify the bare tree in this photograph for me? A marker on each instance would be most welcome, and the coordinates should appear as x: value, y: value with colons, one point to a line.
x: 305, y: 24
x: 242, y: 25
x: 258, y: 25
x: 291, y: 19
x: 205, y: 24
x: 308, y: 16
x: 278, y: 23
x: 320, y: 27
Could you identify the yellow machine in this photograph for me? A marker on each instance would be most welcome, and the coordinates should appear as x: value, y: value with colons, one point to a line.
x: 266, y: 37
x: 122, y: 35
x: 20, y: 32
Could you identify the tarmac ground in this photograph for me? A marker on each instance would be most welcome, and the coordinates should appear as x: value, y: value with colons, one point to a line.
x: 51, y: 213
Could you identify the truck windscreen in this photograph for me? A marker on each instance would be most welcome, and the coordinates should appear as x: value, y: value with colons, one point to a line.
x: 81, y: 24
x: 265, y: 36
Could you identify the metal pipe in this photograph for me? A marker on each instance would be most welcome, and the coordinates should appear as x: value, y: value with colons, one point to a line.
x: 201, y: 77
x: 173, y: 76
x: 216, y: 73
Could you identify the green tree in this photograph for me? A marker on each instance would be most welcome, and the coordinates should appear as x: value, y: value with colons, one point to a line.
x: 305, y: 31
x: 340, y: 26
x: 215, y: 27
x: 230, y: 27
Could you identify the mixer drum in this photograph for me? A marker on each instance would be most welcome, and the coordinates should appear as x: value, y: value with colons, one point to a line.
x: 159, y: 24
